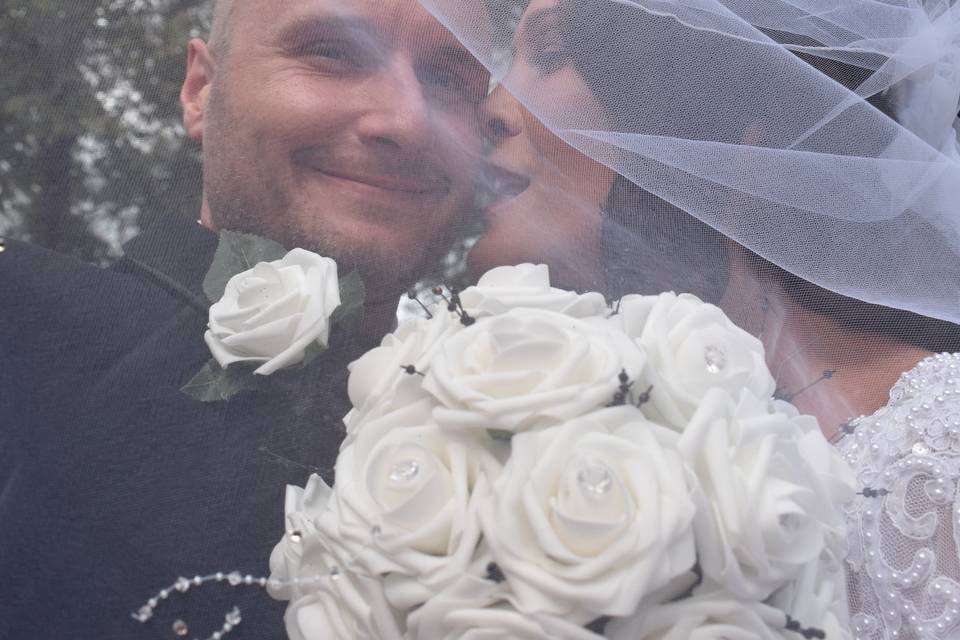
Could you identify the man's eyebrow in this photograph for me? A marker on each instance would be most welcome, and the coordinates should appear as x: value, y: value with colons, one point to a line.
x: 306, y: 28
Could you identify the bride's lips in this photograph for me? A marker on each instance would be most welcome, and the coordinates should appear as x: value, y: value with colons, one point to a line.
x: 499, y: 184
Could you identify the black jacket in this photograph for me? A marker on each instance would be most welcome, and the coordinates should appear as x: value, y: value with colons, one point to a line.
x: 112, y: 482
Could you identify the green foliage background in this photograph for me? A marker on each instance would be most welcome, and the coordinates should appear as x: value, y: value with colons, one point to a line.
x: 91, y: 145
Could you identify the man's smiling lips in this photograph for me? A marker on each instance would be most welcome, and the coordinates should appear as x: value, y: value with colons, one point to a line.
x: 373, y: 182
x: 388, y: 183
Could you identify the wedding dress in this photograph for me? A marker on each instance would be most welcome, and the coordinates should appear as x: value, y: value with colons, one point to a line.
x: 904, y: 554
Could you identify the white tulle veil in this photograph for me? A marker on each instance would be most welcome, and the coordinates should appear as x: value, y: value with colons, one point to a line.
x: 794, y: 161
x: 761, y: 119
x: 815, y: 141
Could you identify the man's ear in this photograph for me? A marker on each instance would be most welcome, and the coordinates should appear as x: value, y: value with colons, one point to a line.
x: 195, y: 92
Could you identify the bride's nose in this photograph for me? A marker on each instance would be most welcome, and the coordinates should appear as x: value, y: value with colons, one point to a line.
x: 502, y: 115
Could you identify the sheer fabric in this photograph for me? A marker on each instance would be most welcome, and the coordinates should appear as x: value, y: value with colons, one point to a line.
x: 794, y: 161
x: 822, y: 137
x: 736, y: 112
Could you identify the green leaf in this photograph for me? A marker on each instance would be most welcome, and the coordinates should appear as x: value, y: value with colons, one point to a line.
x: 214, y: 383
x: 311, y: 353
x: 236, y: 253
x: 352, y: 294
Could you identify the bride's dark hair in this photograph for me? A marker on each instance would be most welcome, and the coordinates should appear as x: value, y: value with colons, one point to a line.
x: 647, y: 244
x: 651, y: 245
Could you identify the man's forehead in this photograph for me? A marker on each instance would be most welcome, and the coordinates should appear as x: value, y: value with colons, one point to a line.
x: 398, y: 21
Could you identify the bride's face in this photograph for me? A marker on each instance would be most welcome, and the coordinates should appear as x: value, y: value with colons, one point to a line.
x: 548, y: 195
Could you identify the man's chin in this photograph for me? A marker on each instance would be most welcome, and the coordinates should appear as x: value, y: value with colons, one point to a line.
x: 388, y: 267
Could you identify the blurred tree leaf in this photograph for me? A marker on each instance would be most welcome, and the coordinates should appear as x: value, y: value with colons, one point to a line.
x: 91, y: 146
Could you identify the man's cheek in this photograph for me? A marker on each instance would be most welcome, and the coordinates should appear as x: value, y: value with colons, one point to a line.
x: 463, y: 157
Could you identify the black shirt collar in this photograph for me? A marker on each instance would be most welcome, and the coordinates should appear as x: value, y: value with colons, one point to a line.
x: 174, y: 252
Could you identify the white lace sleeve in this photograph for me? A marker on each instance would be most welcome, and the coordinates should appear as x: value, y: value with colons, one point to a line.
x: 904, y: 571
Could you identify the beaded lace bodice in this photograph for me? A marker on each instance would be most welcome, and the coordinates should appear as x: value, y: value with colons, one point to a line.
x: 904, y: 556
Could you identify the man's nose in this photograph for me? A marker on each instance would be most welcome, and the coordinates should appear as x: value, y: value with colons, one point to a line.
x: 399, y: 117
x: 502, y: 115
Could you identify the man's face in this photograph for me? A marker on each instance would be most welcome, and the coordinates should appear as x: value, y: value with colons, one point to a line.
x: 346, y: 126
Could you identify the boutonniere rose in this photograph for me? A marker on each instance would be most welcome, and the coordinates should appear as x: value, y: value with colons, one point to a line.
x: 273, y: 313
x: 272, y: 309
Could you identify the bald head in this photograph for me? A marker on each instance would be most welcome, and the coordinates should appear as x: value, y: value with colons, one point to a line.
x: 347, y: 127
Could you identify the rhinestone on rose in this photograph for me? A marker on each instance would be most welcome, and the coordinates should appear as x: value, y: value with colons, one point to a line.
x: 404, y: 472
x: 716, y: 358
x: 594, y: 477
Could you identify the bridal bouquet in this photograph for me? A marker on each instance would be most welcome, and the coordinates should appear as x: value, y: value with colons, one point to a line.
x: 530, y: 462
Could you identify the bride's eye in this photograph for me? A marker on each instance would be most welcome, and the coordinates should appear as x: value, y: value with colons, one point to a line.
x: 549, y: 60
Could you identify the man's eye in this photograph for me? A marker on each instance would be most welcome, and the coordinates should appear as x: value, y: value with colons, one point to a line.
x: 452, y: 85
x: 334, y: 52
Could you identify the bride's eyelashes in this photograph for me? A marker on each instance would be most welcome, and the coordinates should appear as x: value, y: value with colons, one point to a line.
x: 542, y: 42
x: 549, y: 60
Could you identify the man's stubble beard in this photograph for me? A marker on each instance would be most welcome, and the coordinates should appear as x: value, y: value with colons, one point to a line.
x: 258, y: 206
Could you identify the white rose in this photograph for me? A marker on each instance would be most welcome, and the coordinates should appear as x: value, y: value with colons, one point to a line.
x: 527, y: 285
x: 326, y: 601
x: 590, y: 517
x: 708, y: 617
x: 692, y: 347
x: 830, y: 475
x: 817, y: 598
x: 478, y: 609
x: 273, y: 312
x: 341, y: 611
x: 404, y: 505
x: 379, y: 382
x: 764, y: 514
x: 528, y: 368
x: 297, y: 554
